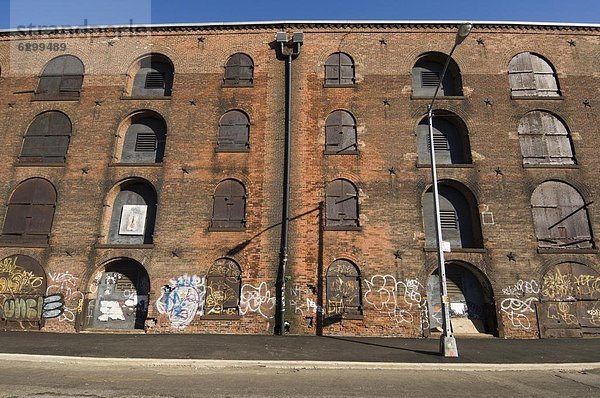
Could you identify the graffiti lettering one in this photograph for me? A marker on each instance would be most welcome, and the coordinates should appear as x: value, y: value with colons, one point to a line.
x: 516, y: 310
x: 257, y: 299
x: 182, y: 299
x: 522, y: 287
x: 397, y: 299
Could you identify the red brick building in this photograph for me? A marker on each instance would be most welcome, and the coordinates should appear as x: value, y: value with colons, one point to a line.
x: 143, y: 178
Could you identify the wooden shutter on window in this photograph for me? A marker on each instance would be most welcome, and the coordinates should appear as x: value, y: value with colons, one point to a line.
x: 544, y: 139
x: 341, y: 204
x: 144, y: 141
x: 530, y: 75
x: 154, y: 78
x: 340, y: 133
x: 229, y: 209
x: 234, y: 131
x: 239, y: 70
x: 47, y: 139
x: 30, y: 213
x: 560, y: 216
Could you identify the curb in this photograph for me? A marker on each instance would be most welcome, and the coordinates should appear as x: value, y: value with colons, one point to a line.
x: 198, y: 364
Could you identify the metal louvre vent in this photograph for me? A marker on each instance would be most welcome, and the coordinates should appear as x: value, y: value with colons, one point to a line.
x: 155, y: 80
x: 145, y: 142
x: 448, y: 219
x: 429, y: 79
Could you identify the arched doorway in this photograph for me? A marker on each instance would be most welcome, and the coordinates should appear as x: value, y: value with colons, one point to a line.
x: 570, y: 301
x: 121, y: 300
x: 472, y: 308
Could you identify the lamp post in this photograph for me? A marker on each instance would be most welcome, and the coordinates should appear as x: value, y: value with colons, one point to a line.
x: 447, y: 342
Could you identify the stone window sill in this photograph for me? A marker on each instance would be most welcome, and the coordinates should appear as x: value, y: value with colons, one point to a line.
x: 550, y: 250
x: 124, y: 246
x: 457, y: 250
x: 342, y: 228
x: 150, y: 97
x: 446, y: 166
x: 135, y: 164
x: 550, y: 166
x: 220, y: 318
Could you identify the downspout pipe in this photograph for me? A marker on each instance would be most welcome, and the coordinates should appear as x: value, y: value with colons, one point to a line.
x: 289, y: 50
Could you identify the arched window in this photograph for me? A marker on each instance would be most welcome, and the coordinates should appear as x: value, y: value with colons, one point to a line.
x: 234, y: 132
x: 340, y: 133
x: 30, y: 213
x: 544, y: 140
x: 229, y: 206
x: 239, y: 71
x: 450, y: 140
x: 339, y: 70
x: 530, y: 75
x: 47, y: 139
x: 223, y: 284
x: 61, y: 79
x: 341, y: 205
x: 344, y: 295
x: 459, y: 215
x: 133, y: 214
x: 427, y: 72
x: 560, y: 217
x: 144, y: 140
x: 152, y: 76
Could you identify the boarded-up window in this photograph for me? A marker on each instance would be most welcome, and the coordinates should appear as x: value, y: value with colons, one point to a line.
x: 340, y: 133
x: 61, y: 79
x: 229, y: 206
x: 339, y: 70
x: 341, y: 204
x: 234, y: 132
x: 544, y: 140
x: 223, y: 283
x: 344, y: 296
x: 450, y: 140
x: 144, y: 141
x: 560, y: 216
x: 133, y: 214
x: 239, y: 71
x: 458, y: 215
x: 30, y: 213
x: 153, y: 78
x: 47, y: 139
x: 427, y: 72
x: 530, y: 75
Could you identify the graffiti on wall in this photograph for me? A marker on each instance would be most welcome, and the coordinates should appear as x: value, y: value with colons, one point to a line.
x: 399, y: 299
x: 182, y: 300
x: 519, y: 306
x: 301, y: 301
x: 560, y: 285
x: 63, y: 299
x: 257, y: 299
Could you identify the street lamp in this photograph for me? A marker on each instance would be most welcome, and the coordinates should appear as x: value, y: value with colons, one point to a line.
x: 447, y: 341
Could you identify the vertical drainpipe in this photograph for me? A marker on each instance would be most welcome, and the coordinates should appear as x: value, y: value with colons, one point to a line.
x: 288, y: 50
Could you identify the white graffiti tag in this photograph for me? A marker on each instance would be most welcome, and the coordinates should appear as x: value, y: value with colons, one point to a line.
x: 398, y: 299
x: 182, y: 299
x: 516, y: 310
x: 65, y: 284
x: 522, y: 287
x: 257, y: 299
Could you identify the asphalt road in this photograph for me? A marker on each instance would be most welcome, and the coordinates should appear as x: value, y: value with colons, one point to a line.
x: 53, y: 379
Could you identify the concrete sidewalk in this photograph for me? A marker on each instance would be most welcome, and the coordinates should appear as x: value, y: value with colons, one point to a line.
x: 299, y: 348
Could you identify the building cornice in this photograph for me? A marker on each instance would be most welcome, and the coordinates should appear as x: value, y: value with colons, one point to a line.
x: 282, y: 25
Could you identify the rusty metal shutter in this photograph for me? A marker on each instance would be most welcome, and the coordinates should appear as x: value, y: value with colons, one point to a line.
x: 344, y: 296
x: 560, y: 216
x: 339, y: 70
x: 234, y: 131
x: 30, y: 213
x: 340, y: 133
x: 145, y: 142
x: 154, y: 78
x: 341, y: 204
x: 223, y: 283
x: 62, y: 78
x: 47, y: 139
x: 430, y: 78
x: 239, y: 70
x: 229, y: 207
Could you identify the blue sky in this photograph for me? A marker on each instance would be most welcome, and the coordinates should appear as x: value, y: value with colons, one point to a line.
x: 74, y: 12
